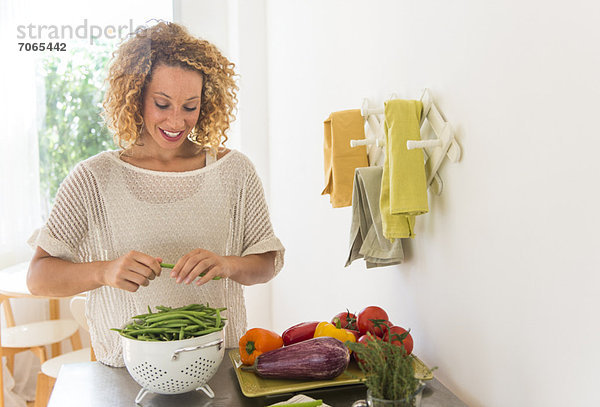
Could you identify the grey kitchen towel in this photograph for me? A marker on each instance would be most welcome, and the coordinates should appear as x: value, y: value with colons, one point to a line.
x: 366, y: 233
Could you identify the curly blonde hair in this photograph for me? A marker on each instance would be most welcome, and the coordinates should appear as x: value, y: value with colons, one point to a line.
x: 170, y: 44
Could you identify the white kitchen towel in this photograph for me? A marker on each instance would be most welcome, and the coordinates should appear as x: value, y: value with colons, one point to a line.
x: 298, y: 398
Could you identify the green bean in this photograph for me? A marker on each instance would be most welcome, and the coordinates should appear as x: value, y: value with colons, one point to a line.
x: 169, y: 321
x: 195, y: 314
x: 142, y: 316
x: 206, y: 331
x: 171, y: 325
x: 170, y: 315
x: 146, y: 330
x: 174, y: 323
x: 170, y: 266
x: 194, y: 307
x: 214, y: 278
x: 167, y: 265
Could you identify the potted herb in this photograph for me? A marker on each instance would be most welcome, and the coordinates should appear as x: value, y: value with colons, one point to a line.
x: 389, y: 374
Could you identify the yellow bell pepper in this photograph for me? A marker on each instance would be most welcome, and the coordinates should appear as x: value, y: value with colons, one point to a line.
x: 327, y: 329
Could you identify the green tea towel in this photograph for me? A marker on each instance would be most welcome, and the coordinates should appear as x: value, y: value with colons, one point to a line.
x: 366, y: 234
x: 403, y: 184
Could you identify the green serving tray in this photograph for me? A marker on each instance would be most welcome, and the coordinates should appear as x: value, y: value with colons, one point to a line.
x: 253, y: 385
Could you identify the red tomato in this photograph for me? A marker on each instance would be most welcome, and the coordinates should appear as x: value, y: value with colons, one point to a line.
x: 347, y: 320
x: 364, y: 339
x: 367, y: 338
x: 371, y: 319
x: 400, y: 337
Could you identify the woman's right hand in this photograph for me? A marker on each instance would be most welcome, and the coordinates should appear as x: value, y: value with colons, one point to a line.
x: 131, y: 271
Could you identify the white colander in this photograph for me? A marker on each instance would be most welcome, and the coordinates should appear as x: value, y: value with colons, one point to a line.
x: 173, y: 367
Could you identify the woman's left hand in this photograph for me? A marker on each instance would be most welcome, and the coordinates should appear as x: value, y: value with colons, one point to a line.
x: 204, y: 263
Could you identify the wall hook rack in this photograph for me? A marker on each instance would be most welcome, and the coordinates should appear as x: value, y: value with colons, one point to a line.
x: 443, y: 145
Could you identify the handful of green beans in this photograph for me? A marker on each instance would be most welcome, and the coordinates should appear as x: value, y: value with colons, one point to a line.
x: 174, y: 324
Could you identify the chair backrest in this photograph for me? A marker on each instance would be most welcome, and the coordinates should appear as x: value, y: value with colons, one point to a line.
x: 77, y: 306
x: 8, y: 314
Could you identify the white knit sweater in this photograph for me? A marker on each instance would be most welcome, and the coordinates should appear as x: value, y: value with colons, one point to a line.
x: 107, y: 207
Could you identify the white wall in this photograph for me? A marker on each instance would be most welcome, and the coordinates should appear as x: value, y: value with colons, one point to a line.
x: 238, y: 29
x: 500, y: 285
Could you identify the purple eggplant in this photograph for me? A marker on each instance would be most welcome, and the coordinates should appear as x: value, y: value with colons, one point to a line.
x: 320, y: 358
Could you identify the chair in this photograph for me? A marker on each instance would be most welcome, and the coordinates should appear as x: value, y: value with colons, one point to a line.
x: 50, y: 368
x: 33, y: 336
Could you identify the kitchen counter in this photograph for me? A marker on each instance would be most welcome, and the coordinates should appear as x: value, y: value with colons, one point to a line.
x: 93, y: 384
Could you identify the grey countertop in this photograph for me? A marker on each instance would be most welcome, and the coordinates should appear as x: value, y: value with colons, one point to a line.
x: 93, y: 384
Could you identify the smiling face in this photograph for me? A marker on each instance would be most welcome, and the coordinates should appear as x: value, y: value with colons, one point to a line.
x: 171, y: 107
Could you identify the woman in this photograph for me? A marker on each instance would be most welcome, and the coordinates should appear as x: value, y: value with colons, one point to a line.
x: 172, y: 194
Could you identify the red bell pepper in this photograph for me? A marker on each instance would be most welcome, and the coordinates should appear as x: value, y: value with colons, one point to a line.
x: 299, y: 332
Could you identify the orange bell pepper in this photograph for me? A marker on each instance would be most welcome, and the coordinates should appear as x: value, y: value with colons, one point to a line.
x: 257, y: 341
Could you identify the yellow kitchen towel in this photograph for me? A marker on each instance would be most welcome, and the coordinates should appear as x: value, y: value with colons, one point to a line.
x: 340, y: 159
x: 403, y: 184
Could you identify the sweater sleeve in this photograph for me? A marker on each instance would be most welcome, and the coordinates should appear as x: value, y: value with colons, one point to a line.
x: 258, y: 235
x: 67, y: 224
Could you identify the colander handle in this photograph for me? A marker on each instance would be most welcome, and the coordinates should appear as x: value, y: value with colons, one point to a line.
x: 218, y: 343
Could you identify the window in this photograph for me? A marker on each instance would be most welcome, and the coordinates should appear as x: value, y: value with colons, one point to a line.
x: 53, y: 86
x: 72, y: 128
